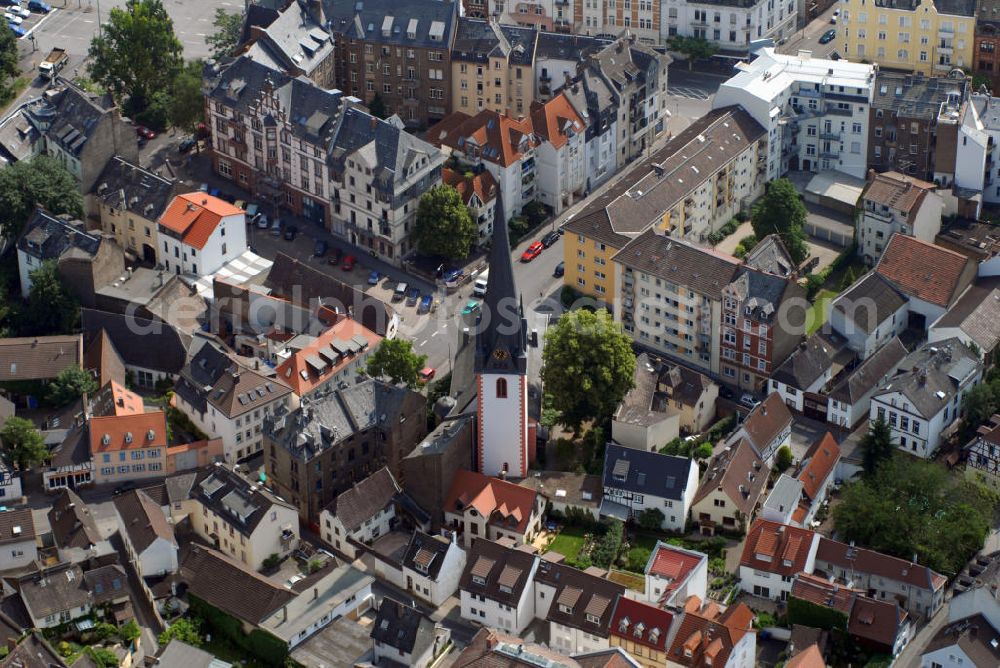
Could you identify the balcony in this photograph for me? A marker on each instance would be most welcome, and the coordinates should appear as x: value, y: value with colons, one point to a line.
x: 829, y: 154
x: 831, y: 136
x: 945, y: 49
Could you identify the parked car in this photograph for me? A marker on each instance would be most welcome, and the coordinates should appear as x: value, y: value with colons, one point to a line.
x: 263, y: 222
x: 726, y: 393
x: 550, y: 239
x: 335, y: 257
x: 427, y: 374
x: 187, y: 144
x: 290, y: 232
x: 12, y: 3
x: 143, y: 131
x: 399, y: 294
x: 471, y: 306
x: 425, y: 304
x: 828, y: 36
x: 560, y: 270
x: 39, y: 6
x: 349, y: 263
x: 126, y: 486
x: 276, y: 228
x: 319, y: 248
x: 532, y: 251
x: 18, y: 10
x: 373, y: 278
x: 12, y: 19
x: 748, y: 400
x: 19, y: 31
x: 412, y: 296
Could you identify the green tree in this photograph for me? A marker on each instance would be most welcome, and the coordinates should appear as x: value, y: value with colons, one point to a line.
x: 129, y: 631
x: 23, y: 443
x: 780, y: 211
x: 783, y: 460
x: 377, y: 107
x: 692, y: 48
x: 550, y: 417
x: 9, y: 69
x: 394, y: 359
x: 444, y: 224
x: 703, y: 451
x: 102, y: 656
x: 981, y: 402
x: 41, y: 181
x: 848, y: 279
x: 71, y: 384
x: 51, y: 308
x: 185, y: 629
x: 187, y: 102
x: 587, y: 366
x: 876, y: 446
x: 137, y: 54
x: 228, y: 27
x: 651, y: 519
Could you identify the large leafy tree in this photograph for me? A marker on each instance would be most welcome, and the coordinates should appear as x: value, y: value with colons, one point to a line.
x: 692, y: 48
x: 8, y: 62
x: 780, y: 211
x: 587, y: 366
x: 444, y: 224
x: 71, y: 384
x: 225, y: 39
x: 394, y: 359
x: 51, y: 308
x: 981, y: 402
x: 137, y: 54
x: 913, y: 507
x: 876, y: 446
x: 185, y: 629
x: 40, y: 181
x: 187, y: 102
x: 22, y: 443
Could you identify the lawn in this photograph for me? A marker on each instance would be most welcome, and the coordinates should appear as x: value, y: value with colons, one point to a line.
x: 819, y: 310
x: 568, y: 543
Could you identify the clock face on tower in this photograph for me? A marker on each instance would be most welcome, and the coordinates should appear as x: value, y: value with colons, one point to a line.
x: 500, y: 354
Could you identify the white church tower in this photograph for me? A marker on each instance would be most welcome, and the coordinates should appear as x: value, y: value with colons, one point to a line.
x: 502, y: 366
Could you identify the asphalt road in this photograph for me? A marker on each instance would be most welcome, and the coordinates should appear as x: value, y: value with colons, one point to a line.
x: 807, y: 39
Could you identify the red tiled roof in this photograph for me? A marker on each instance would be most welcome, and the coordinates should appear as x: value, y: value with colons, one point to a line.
x: 897, y: 191
x: 636, y: 621
x: 125, y: 432
x: 767, y: 420
x: 923, y: 270
x: 876, y: 621
x: 674, y: 564
x: 304, y: 377
x: 820, y: 460
x: 876, y: 563
x: 823, y: 592
x: 777, y: 548
x: 555, y: 119
x: 504, y: 504
x: 194, y: 216
x: 706, y: 637
x: 114, y: 399
x: 483, y: 185
x: 810, y: 657
x: 500, y: 134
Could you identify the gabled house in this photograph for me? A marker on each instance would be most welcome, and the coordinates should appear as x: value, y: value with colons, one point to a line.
x: 74, y: 529
x: 18, y: 542
x: 578, y: 605
x: 849, y: 399
x: 727, y: 496
x: 973, y: 319
x: 432, y: 566
x: 643, y: 630
x: 808, y: 370
x: 148, y: 536
x: 496, y: 589
x: 481, y: 506
x: 403, y: 635
x: 362, y: 513
x: 199, y: 233
x: 869, y: 314
x: 638, y: 480
x: 39, y: 358
x: 673, y: 574
x: 881, y: 626
x: 817, y: 473
x: 128, y: 447
x: 772, y: 555
x: 479, y: 193
x: 766, y: 428
x: 711, y: 637
x: 152, y: 350
x: 982, y: 454
x: 926, y: 395
x: 54, y: 596
x: 310, y: 364
x: 562, y: 155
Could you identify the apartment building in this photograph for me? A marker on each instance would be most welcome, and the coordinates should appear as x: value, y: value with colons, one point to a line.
x: 562, y: 152
x: 128, y: 201
x: 986, y: 48
x: 730, y: 24
x: 547, y: 15
x: 815, y: 111
x: 643, y: 18
x: 891, y: 203
x: 913, y: 35
x: 907, y: 112
x: 596, y: 102
x: 670, y: 295
x: 128, y: 447
x: 755, y: 338
x: 296, y: 42
x: 400, y: 52
x: 988, y: 111
x: 479, y: 193
x: 687, y: 189
x: 492, y: 67
x: 200, y: 233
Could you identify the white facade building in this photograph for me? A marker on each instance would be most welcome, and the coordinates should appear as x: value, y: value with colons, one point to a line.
x: 815, y: 110
x: 497, y: 587
x: 18, y: 543
x: 199, y: 233
x: 730, y: 25
x: 432, y: 567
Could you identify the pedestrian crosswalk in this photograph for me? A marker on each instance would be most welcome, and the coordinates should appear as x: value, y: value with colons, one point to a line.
x: 687, y: 92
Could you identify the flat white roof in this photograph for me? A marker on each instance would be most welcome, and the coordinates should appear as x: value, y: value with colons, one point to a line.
x: 773, y: 73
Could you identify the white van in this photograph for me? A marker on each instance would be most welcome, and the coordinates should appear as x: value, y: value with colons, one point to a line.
x: 479, y: 287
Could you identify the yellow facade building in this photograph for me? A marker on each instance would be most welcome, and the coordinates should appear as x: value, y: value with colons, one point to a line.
x: 493, y: 67
x: 920, y: 35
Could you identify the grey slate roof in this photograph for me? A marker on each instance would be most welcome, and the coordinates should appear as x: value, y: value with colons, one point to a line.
x: 476, y: 40
x: 143, y: 520
x: 810, y: 360
x: 368, y: 19
x: 179, y: 654
x: 70, y: 117
x: 48, y: 237
x: 294, y: 41
x: 506, y: 329
x: 642, y: 472
x: 976, y: 314
x: 404, y: 628
x: 930, y: 376
x: 53, y: 590
x: 362, y: 501
x: 72, y: 523
x: 426, y: 551
x: 231, y: 496
x: 128, y: 187
x: 785, y: 496
x: 702, y: 270
x: 871, y: 289
x: 492, y: 563
x: 560, y: 46
x: 869, y: 373
x: 140, y: 342
x: 763, y: 291
x: 770, y: 256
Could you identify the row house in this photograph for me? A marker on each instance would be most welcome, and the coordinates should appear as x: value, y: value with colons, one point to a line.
x: 891, y: 203
x: 561, y: 152
x: 399, y: 53
x: 986, y: 47
x: 496, y: 586
x: 362, y: 513
x: 678, y: 191
x: 869, y: 314
x: 128, y: 447
x: 193, y: 234
x: 479, y: 193
x: 915, y: 35
x: 642, y: 630
x: 638, y: 480
x: 815, y: 111
x: 578, y: 606
x: 730, y: 26
x: 432, y: 566
x: 756, y: 337
x: 730, y: 490
x: 768, y: 428
x: 596, y: 102
x: 809, y: 370
x: 543, y: 15
x: 709, y: 636
x: 492, y: 67
x: 773, y: 554
x: 480, y: 506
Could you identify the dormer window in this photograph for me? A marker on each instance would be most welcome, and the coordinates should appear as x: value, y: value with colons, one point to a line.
x: 593, y: 619
x: 505, y: 589
x: 479, y: 580
x: 565, y: 609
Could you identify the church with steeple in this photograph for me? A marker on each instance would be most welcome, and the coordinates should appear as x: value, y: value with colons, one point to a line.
x: 501, y: 366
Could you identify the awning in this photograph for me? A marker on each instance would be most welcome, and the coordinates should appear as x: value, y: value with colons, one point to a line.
x: 613, y: 509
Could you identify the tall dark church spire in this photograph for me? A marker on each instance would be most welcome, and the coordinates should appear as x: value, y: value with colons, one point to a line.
x: 502, y: 338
